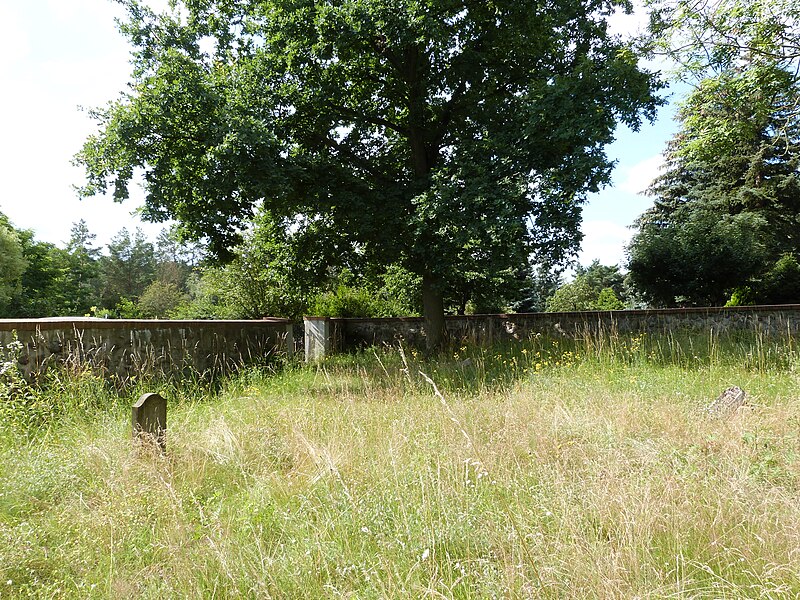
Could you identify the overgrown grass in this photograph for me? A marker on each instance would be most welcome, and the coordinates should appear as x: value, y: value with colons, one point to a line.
x: 550, y: 469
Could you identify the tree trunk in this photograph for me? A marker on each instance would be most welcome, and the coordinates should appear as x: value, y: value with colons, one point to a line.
x: 423, y: 157
x: 433, y: 311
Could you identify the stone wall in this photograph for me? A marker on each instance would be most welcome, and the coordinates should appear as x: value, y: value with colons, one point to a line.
x: 484, y: 329
x: 123, y: 348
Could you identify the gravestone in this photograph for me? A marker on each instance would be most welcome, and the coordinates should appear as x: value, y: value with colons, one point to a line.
x: 149, y: 417
x: 728, y: 402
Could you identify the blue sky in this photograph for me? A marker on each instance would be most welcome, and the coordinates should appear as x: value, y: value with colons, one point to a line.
x: 57, y: 55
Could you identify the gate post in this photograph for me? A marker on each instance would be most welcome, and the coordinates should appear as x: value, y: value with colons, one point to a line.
x: 319, y: 334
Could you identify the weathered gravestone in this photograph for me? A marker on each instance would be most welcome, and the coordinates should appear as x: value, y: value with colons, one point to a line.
x: 728, y: 402
x: 149, y: 417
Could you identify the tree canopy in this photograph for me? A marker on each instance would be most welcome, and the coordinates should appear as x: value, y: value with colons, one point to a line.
x: 446, y: 137
x: 12, y: 262
x: 710, y: 36
x: 727, y: 207
x: 596, y: 287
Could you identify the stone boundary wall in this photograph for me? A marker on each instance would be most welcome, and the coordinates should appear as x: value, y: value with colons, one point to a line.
x: 486, y: 329
x: 123, y: 348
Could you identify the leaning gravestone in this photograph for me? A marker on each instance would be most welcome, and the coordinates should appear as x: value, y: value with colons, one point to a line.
x: 728, y: 402
x: 149, y: 417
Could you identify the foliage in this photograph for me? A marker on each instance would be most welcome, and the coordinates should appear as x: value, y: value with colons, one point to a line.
x: 264, y: 279
x: 399, y: 130
x: 400, y: 290
x: 714, y: 36
x: 536, y: 288
x: 600, y: 277
x: 134, y: 279
x: 128, y: 269
x: 347, y: 301
x: 728, y: 205
x: 579, y: 295
x: 42, y: 291
x: 259, y: 281
x: 607, y: 299
x: 594, y: 288
x: 12, y: 262
x: 82, y: 276
x: 697, y: 258
x: 361, y: 301
x: 206, y: 297
x: 159, y: 300
x: 474, y: 292
x: 738, y: 152
x: 781, y: 284
x: 54, y: 281
x: 172, y: 248
x: 573, y: 296
x: 393, y: 293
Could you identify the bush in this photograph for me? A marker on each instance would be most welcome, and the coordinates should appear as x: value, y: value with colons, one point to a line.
x: 348, y: 301
x: 781, y: 284
x: 579, y: 295
x: 160, y: 299
x: 607, y: 300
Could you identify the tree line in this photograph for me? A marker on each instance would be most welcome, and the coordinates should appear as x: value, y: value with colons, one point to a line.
x: 131, y: 277
x: 134, y: 277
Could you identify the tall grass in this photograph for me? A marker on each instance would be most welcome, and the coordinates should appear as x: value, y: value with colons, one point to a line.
x: 553, y: 468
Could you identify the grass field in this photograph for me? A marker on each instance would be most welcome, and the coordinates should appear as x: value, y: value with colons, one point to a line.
x: 552, y: 469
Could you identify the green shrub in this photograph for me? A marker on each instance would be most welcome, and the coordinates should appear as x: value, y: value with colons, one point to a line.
x: 347, y: 301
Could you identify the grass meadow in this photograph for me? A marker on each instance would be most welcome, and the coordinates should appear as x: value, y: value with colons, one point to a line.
x: 552, y: 468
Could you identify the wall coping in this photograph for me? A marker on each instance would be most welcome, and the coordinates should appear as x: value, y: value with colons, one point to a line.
x: 702, y: 310
x: 96, y: 323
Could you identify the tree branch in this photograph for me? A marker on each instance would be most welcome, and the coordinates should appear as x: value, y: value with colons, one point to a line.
x: 379, y: 121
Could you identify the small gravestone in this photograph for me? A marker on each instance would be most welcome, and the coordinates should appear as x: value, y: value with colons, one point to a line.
x: 149, y: 417
x: 728, y: 402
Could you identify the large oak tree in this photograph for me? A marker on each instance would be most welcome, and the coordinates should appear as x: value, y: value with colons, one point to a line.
x: 447, y: 136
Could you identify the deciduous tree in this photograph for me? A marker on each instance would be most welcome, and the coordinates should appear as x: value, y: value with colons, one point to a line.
x: 710, y: 36
x: 596, y: 287
x: 446, y: 136
x: 12, y: 263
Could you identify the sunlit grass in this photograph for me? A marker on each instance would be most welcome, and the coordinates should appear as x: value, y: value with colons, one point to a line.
x: 548, y: 469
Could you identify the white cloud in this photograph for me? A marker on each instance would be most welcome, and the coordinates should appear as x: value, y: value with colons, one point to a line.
x: 629, y: 25
x: 638, y: 177
x: 604, y: 241
x: 14, y: 41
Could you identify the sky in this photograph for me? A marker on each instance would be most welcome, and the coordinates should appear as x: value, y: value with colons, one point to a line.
x: 57, y: 56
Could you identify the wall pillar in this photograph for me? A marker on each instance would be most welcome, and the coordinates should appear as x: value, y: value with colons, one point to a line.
x: 319, y: 334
